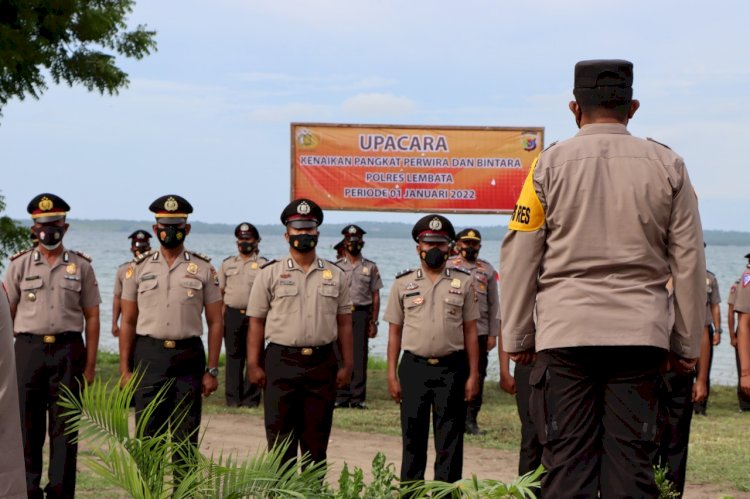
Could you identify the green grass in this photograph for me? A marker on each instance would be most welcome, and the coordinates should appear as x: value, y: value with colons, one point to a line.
x: 718, y: 452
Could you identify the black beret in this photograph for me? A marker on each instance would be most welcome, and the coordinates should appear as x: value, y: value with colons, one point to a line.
x: 47, y: 207
x: 433, y: 228
x: 171, y: 209
x: 302, y: 214
x: 352, y: 231
x: 603, y: 73
x: 246, y: 230
x: 469, y: 235
x: 140, y: 238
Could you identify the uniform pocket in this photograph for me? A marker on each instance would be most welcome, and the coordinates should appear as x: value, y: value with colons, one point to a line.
x: 31, y: 288
x: 285, y: 299
x: 192, y: 290
x: 452, y: 310
x: 329, y: 291
x: 147, y: 293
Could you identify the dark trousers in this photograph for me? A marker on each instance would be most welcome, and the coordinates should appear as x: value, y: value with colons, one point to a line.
x: 356, y: 392
x: 596, y: 413
x: 742, y: 398
x: 700, y: 407
x: 237, y: 389
x: 185, y: 365
x: 675, y: 417
x: 474, y: 406
x: 438, y: 388
x: 42, y: 369
x: 299, y: 396
x: 530, y: 455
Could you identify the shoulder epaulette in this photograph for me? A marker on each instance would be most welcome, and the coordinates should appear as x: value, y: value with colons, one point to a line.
x: 269, y: 262
x: 143, y: 257
x: 462, y: 270
x: 549, y: 146
x: 22, y: 252
x: 227, y: 258
x: 404, y: 272
x: 82, y: 255
x: 657, y: 142
x: 710, y: 272
x: 335, y: 265
x: 368, y: 260
x: 201, y: 256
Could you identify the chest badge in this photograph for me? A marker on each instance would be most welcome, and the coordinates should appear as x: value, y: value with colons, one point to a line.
x: 254, y: 265
x: 412, y: 285
x: 192, y: 268
x: 418, y: 300
x: 190, y: 293
x: 365, y: 271
x: 327, y: 274
x: 456, y: 283
x: 71, y: 268
x: 31, y: 296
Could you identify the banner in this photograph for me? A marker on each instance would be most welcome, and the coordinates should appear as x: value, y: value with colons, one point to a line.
x: 412, y: 168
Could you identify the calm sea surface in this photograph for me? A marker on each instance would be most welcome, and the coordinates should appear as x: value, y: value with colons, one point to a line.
x: 110, y: 249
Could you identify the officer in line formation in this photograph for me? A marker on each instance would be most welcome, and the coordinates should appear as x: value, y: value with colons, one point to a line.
x: 740, y: 305
x: 139, y: 244
x: 54, y: 298
x: 712, y: 337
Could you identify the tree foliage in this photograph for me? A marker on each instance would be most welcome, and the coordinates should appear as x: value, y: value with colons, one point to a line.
x: 13, y: 236
x: 71, y: 41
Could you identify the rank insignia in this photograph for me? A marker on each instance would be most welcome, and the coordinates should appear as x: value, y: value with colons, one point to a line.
x: 412, y: 285
x: 285, y: 276
x: 71, y: 268
x: 327, y: 274
x: 254, y: 265
x: 418, y: 300
x: 192, y: 268
x: 455, y: 291
x: 456, y: 283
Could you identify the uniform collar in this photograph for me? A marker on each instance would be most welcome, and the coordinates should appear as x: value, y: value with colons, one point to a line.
x: 291, y: 264
x: 603, y: 128
x: 37, y: 256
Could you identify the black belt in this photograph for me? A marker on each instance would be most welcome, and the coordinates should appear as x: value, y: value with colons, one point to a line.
x: 240, y: 310
x: 361, y: 308
x: 304, y: 351
x: 451, y: 359
x: 66, y: 337
x: 172, y: 344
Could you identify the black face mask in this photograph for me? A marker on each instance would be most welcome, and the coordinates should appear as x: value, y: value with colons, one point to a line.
x: 171, y: 236
x: 304, y: 243
x: 470, y: 254
x: 354, y: 249
x: 435, y: 258
x: 50, y: 236
x: 246, y: 248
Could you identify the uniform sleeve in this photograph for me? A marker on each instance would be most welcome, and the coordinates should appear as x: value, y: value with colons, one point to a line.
x: 90, y: 296
x: 493, y: 304
x: 471, y: 305
x: 222, y: 275
x: 394, y: 310
x: 12, y: 283
x: 212, y: 293
x: 732, y: 293
x: 376, y: 282
x: 119, y: 276
x: 130, y: 287
x: 259, y: 302
x: 715, y: 297
x: 687, y: 262
x: 345, y: 300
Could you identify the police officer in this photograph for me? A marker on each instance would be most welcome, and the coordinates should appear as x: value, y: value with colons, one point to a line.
x: 53, y: 296
x: 163, y: 297
x: 712, y: 332
x: 433, y: 315
x: 468, y: 244
x: 364, y: 289
x: 339, y: 249
x: 586, y: 251
x: 236, y: 276
x: 301, y: 306
x: 139, y: 244
x: 742, y: 307
x: 744, y: 400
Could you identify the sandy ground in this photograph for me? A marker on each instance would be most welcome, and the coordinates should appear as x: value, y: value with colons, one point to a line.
x: 245, y: 434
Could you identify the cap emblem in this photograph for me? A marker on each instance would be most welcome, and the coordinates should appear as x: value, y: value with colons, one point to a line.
x: 436, y: 224
x: 45, y: 204
x: 244, y: 227
x: 171, y: 204
x: 472, y: 234
x: 352, y: 230
x: 303, y: 208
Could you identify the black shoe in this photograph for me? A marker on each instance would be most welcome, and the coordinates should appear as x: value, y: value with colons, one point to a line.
x: 358, y: 405
x: 340, y: 405
x: 472, y: 428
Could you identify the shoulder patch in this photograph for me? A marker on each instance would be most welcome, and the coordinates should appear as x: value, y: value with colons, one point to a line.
x: 82, y: 255
x: 269, y: 262
x: 528, y: 214
x: 228, y: 258
x: 201, y: 256
x: 403, y: 273
x: 20, y: 253
x: 367, y: 260
x: 657, y: 142
x: 462, y: 270
x: 550, y: 146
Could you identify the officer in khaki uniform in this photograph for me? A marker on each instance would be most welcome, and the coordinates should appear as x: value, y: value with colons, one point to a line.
x: 364, y: 289
x: 433, y: 315
x: 744, y: 400
x: 742, y: 307
x: 139, y: 244
x: 12, y: 470
x: 53, y: 296
x: 468, y: 244
x: 712, y: 333
x: 163, y: 298
x: 300, y: 304
x: 236, y: 277
x: 601, y: 222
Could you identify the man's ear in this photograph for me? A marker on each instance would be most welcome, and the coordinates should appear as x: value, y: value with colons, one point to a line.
x: 634, y: 105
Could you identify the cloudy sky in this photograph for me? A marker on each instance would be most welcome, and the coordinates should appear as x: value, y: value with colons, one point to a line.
x: 207, y: 116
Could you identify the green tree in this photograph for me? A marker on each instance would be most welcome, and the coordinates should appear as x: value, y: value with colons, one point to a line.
x: 71, y: 41
x: 13, y: 236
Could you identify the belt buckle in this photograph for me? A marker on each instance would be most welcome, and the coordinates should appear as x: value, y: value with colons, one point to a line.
x: 170, y: 344
x: 307, y: 351
x: 49, y: 339
x: 243, y: 312
x: 433, y: 361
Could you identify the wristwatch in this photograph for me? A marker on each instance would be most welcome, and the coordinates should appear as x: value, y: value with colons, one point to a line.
x: 213, y: 371
x: 718, y: 331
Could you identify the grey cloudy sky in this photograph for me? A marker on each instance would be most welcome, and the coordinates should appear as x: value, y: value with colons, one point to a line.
x: 207, y: 116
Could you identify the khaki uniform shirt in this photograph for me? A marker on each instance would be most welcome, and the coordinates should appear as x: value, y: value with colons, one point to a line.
x: 364, y: 279
x: 742, y: 298
x: 236, y: 277
x: 300, y: 308
x: 432, y: 314
x: 732, y: 293
x: 171, y: 299
x: 601, y: 222
x: 12, y: 467
x: 122, y: 271
x: 712, y: 295
x: 51, y: 299
x: 486, y: 289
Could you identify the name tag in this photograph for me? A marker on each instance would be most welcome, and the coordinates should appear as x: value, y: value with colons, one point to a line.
x: 148, y: 277
x: 72, y: 277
